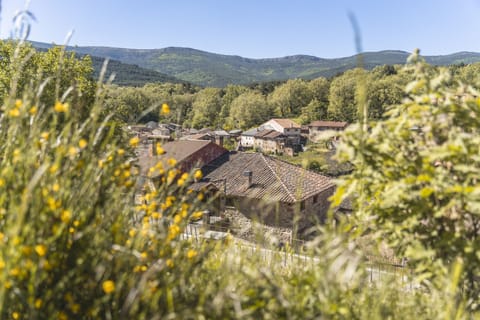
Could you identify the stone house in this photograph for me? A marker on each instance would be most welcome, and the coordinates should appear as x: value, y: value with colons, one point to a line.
x: 247, y: 138
x: 289, y: 128
x: 189, y: 154
x: 269, y: 141
x: 273, y: 191
x: 316, y: 127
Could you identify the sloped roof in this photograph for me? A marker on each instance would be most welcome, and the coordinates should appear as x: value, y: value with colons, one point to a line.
x: 286, y: 123
x: 197, y: 136
x: 182, y: 149
x: 179, y: 150
x: 250, y: 132
x: 329, y: 124
x: 269, y: 134
x: 273, y: 180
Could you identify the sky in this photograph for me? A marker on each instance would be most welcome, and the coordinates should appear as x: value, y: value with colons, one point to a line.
x: 255, y: 28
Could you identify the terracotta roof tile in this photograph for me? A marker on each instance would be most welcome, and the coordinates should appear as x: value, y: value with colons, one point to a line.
x: 286, y: 123
x: 272, y: 179
x: 329, y: 124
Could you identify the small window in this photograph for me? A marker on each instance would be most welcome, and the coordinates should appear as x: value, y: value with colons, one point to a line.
x: 315, y: 198
x: 229, y: 202
x: 302, y: 205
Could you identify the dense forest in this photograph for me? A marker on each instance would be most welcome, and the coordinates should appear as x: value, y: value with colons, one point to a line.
x: 237, y: 106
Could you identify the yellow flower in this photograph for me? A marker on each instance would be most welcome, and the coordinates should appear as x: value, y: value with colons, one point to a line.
x: 15, y: 272
x: 191, y: 254
x: 75, y: 308
x: 198, y: 174
x: 165, y: 108
x: 18, y: 103
x: 55, y: 187
x: 121, y: 152
x: 171, y: 162
x: 54, y: 168
x: 159, y: 149
x: 197, y: 215
x: 134, y: 141
x: 132, y: 233
x: 173, y: 231
x: 16, y: 315
x: 38, y: 303
x: 60, y: 107
x: 41, y: 250
x: 44, y: 135
x: 33, y: 110
x: 177, y: 219
x: 169, y: 263
x: 72, y: 151
x: 62, y: 316
x: 14, y: 113
x: 82, y: 143
x: 65, y: 216
x: 108, y: 286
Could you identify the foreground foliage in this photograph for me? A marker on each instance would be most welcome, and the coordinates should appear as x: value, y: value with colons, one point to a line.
x: 73, y: 245
x: 416, y: 183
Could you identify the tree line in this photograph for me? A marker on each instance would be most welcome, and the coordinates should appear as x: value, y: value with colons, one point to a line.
x: 239, y: 106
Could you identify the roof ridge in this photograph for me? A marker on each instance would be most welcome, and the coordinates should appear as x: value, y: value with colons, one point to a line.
x: 264, y: 157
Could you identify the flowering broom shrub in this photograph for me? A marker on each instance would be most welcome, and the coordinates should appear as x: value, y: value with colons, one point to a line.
x: 416, y: 182
x: 73, y: 245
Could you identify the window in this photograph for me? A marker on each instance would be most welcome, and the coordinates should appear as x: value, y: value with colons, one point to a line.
x: 315, y: 198
x: 302, y: 205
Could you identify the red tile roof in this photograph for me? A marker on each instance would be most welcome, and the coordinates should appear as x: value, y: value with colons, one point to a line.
x: 272, y: 179
x: 286, y: 123
x: 268, y: 134
x: 328, y: 124
x: 179, y: 150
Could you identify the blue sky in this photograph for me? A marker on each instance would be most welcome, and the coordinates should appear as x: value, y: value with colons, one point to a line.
x: 257, y: 28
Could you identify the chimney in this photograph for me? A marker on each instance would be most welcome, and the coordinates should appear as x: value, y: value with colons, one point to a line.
x: 249, y: 174
x: 219, y: 140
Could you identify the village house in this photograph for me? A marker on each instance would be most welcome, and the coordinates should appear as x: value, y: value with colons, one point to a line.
x: 288, y: 140
x: 189, y: 154
x: 247, y: 138
x: 217, y: 136
x: 269, y: 141
x: 273, y: 191
x: 286, y: 126
x: 315, y: 128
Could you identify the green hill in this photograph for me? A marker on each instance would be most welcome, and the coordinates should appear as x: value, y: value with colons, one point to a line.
x: 210, y: 69
x: 125, y: 74
x: 130, y: 74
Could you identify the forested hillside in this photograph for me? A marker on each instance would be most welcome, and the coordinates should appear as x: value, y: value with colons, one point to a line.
x: 129, y: 74
x: 217, y: 70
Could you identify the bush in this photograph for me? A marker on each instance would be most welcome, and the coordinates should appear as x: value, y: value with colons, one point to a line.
x: 415, y: 185
x: 73, y: 245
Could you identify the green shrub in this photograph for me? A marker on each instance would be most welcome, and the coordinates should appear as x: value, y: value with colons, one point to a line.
x: 74, y: 245
x: 415, y: 185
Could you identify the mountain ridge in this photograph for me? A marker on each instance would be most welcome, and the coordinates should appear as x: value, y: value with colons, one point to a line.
x: 218, y: 70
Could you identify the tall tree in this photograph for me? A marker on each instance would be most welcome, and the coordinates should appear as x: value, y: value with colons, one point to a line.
x: 342, y: 97
x: 289, y: 98
x: 206, y: 108
x: 249, y: 109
